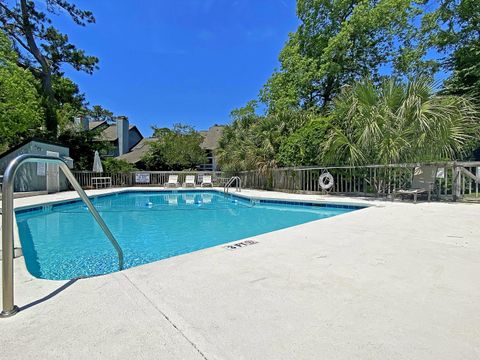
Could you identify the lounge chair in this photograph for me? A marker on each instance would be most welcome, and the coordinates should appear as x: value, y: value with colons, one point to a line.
x: 172, y: 181
x: 189, y: 181
x: 423, y: 181
x: 207, y: 181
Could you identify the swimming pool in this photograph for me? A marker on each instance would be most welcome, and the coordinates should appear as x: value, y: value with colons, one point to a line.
x: 62, y: 241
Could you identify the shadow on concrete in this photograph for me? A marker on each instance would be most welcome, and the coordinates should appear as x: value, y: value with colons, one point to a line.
x: 49, y: 296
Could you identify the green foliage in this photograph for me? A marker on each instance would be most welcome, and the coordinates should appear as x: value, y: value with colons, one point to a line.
x: 70, y: 101
x: 112, y: 165
x: 304, y: 146
x: 253, y: 141
x: 176, y: 149
x: 67, y: 92
x: 454, y: 27
x: 42, y: 48
x: 397, y: 122
x: 338, y: 42
x: 59, y: 50
x: 465, y: 79
x: 98, y: 113
x: 380, y: 120
x: 83, y: 145
x: 20, y: 109
x: 160, y: 132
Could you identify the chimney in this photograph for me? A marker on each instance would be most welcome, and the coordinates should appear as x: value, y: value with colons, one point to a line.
x: 122, y: 135
x: 81, y: 123
x: 84, y: 123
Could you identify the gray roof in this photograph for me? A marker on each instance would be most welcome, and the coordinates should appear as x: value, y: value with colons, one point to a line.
x: 137, y: 153
x: 212, y: 137
x: 25, y: 142
x: 110, y: 132
x: 94, y: 124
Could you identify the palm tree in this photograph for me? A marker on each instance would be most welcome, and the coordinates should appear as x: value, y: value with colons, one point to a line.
x: 399, y: 122
x: 252, y: 142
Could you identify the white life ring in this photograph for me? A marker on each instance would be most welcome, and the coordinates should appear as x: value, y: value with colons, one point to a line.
x: 326, y: 181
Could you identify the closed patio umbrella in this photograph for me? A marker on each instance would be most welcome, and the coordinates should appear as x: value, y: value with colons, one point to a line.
x: 97, y: 163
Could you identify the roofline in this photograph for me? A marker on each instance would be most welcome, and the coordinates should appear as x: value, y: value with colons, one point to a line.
x: 138, y: 131
x: 141, y: 138
x: 119, y: 157
x: 134, y: 127
x: 25, y: 142
x: 103, y: 122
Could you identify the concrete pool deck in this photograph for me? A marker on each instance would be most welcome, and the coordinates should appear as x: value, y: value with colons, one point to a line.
x: 392, y: 281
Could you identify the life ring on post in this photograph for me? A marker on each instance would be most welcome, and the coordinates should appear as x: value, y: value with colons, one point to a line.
x: 326, y: 181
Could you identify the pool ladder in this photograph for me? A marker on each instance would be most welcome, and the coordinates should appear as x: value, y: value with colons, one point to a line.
x: 229, y: 183
x: 9, y: 307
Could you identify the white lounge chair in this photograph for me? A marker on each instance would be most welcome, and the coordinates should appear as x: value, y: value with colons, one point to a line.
x: 172, y: 181
x: 207, y: 181
x: 189, y: 181
x: 423, y: 181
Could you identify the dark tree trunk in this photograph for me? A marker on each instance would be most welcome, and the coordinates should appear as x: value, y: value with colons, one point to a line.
x: 51, y: 121
x: 327, y: 93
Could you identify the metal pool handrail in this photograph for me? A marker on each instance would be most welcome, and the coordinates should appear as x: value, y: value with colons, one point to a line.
x: 229, y: 183
x: 9, y: 308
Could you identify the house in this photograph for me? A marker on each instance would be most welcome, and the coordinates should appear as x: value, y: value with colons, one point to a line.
x: 38, y: 176
x: 136, y: 154
x: 211, y: 138
x: 122, y: 136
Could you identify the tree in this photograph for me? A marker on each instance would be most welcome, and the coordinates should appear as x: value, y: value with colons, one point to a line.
x: 339, y: 42
x: 387, y: 118
x: 304, y: 146
x: 99, y: 113
x: 253, y: 141
x: 176, y: 149
x: 398, y: 122
x: 455, y: 31
x: 42, y: 48
x: 236, y: 150
x: 160, y: 132
x: 82, y: 145
x: 112, y: 165
x: 70, y: 101
x: 20, y: 109
x: 465, y: 66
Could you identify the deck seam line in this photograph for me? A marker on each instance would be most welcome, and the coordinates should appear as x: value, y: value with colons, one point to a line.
x: 165, y: 316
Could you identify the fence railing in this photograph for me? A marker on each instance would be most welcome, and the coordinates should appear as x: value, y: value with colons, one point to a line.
x: 138, y: 178
x: 454, y: 179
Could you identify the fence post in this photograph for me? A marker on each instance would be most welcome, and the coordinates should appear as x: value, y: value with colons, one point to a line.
x: 457, y: 182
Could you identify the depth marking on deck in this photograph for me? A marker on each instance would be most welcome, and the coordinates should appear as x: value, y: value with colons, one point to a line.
x: 241, y: 244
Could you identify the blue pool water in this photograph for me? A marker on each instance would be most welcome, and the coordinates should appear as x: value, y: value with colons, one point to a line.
x: 63, y: 241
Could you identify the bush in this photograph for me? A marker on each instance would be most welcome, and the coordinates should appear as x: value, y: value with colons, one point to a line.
x: 303, y: 147
x: 112, y: 165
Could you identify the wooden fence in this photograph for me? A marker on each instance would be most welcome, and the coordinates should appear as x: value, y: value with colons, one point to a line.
x: 155, y: 178
x: 454, y: 179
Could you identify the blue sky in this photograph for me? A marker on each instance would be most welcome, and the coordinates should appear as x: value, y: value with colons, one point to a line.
x: 189, y: 61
